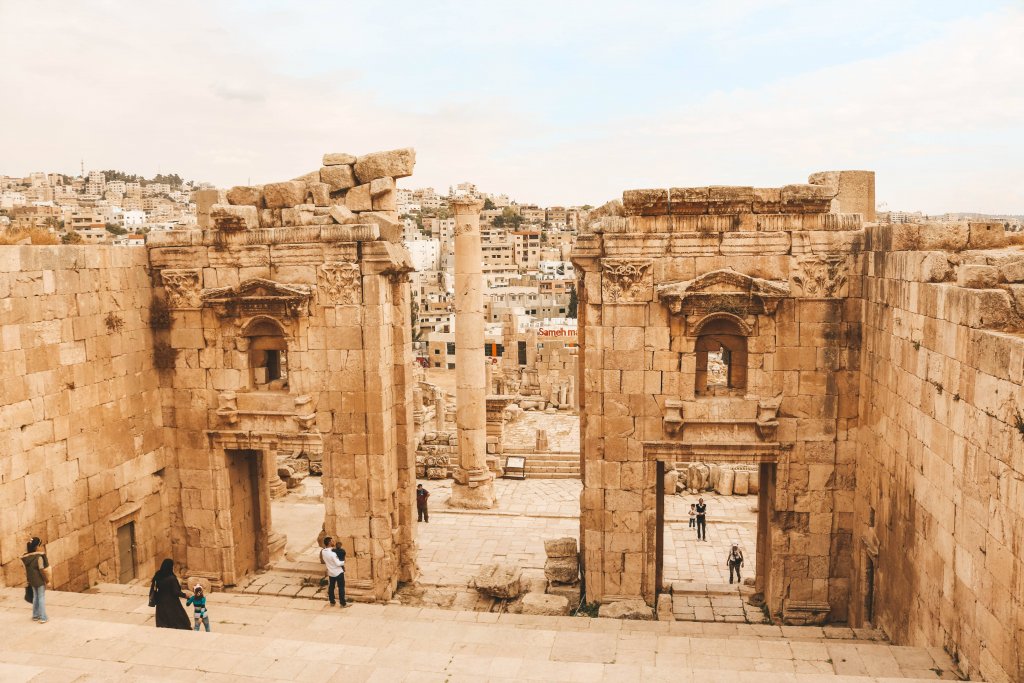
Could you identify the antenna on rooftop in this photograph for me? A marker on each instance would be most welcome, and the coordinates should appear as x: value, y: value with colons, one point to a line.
x: 83, y: 168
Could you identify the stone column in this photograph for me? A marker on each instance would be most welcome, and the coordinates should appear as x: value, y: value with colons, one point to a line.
x: 474, y: 482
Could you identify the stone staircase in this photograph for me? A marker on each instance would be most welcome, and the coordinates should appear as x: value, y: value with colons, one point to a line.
x: 551, y: 465
x: 108, y: 635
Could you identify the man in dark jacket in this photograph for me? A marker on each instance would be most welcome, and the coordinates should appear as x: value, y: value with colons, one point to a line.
x: 421, y: 504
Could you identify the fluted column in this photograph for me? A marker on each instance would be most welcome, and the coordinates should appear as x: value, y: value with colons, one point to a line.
x: 474, y: 482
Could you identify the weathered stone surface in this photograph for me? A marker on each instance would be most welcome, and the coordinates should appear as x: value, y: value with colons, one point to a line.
x: 645, y: 202
x: 741, y: 482
x: 977, y: 277
x: 989, y: 235
x: 342, y: 215
x: 358, y: 198
x: 397, y: 163
x: 1012, y: 271
x: 571, y: 593
x: 231, y: 218
x: 284, y: 195
x: 390, y: 226
x: 562, y: 569
x: 338, y: 159
x: 726, y: 480
x: 379, y: 186
x: 627, y: 609
x: 338, y: 177
x: 246, y: 195
x: 545, y: 604
x: 561, y: 547
x: 320, y: 193
x: 499, y: 580
x: 942, y: 236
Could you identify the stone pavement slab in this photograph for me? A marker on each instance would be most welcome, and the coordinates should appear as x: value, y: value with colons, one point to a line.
x: 279, y: 639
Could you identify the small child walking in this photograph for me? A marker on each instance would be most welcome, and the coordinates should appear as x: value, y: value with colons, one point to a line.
x: 693, y: 515
x: 198, y: 601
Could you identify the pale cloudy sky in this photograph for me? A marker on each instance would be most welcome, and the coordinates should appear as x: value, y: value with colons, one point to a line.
x: 557, y: 102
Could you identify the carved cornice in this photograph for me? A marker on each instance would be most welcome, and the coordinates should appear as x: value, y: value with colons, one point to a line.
x: 724, y: 291
x: 258, y: 296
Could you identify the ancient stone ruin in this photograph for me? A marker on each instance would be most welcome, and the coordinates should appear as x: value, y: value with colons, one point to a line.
x: 862, y: 380
x: 873, y: 382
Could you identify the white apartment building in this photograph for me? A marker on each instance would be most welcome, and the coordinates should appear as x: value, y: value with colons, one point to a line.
x: 425, y: 253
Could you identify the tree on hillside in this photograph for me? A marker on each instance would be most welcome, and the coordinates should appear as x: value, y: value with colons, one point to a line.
x: 574, y: 303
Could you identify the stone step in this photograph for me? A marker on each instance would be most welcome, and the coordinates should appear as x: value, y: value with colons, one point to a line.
x: 108, y: 635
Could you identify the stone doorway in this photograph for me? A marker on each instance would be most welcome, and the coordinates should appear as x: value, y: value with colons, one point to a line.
x: 247, y: 533
x: 693, y: 574
x: 126, y: 565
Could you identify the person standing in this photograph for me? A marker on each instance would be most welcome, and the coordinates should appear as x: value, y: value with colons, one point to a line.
x: 735, y: 561
x: 165, y: 594
x: 693, y: 515
x: 335, y: 569
x: 37, y: 571
x: 340, y: 552
x: 422, y: 515
x: 702, y: 524
x: 198, y: 602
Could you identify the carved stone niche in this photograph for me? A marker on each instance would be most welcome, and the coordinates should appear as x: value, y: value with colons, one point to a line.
x: 626, y: 281
x: 258, y: 296
x: 821, y: 276
x: 724, y: 291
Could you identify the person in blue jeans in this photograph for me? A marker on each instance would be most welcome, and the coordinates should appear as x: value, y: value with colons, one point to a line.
x: 37, y: 571
x: 198, y: 602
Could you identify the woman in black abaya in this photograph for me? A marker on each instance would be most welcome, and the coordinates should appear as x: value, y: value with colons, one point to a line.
x: 165, y: 594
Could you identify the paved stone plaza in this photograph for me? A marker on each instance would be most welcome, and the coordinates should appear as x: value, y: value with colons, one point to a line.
x: 455, y: 544
x: 108, y: 635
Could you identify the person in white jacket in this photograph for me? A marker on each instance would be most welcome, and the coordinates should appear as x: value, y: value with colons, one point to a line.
x: 335, y: 571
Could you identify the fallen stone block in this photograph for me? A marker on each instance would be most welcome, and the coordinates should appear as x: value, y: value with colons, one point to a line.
x: 725, y: 482
x: 284, y: 195
x: 338, y: 159
x: 342, y: 215
x: 977, y: 277
x: 233, y: 218
x: 390, y: 228
x: 545, y: 604
x: 397, y: 163
x: 627, y: 609
x: 1012, y: 271
x: 337, y: 177
x: 741, y: 482
x: 246, y: 195
x: 358, y: 198
x: 379, y: 186
x: 499, y: 580
x: 561, y: 547
x: 571, y: 592
x: 320, y: 193
x: 562, y: 569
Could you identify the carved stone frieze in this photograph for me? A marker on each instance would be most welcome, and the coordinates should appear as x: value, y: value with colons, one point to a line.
x: 821, y: 276
x: 182, y: 286
x: 339, y: 284
x: 626, y: 281
x: 724, y: 291
x: 258, y: 296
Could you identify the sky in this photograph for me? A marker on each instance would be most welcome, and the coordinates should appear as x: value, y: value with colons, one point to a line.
x: 554, y: 102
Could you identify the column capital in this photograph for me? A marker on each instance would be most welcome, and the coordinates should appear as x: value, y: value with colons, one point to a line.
x: 466, y: 205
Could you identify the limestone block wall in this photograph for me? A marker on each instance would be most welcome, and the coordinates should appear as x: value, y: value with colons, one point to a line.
x: 80, y: 413
x: 774, y: 265
x: 939, y: 534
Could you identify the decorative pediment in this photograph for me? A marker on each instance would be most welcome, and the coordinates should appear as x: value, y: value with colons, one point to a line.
x: 259, y: 296
x: 724, y: 290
